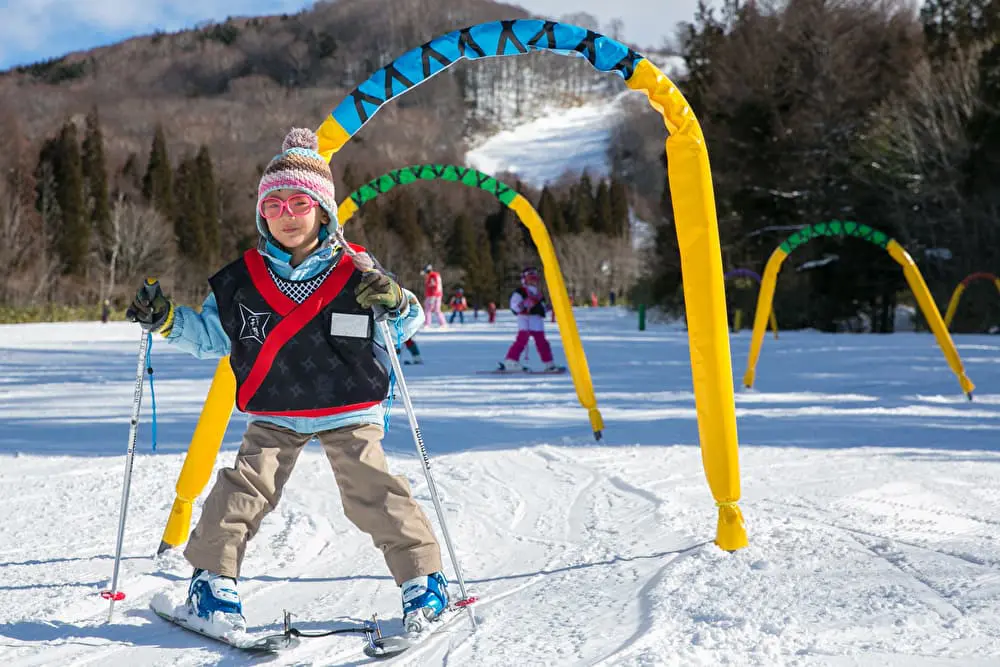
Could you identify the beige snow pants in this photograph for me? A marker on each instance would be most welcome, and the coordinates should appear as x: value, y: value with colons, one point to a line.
x: 378, y: 503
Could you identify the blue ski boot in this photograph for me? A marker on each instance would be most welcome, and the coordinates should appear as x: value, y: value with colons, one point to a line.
x: 424, y: 599
x: 215, y: 599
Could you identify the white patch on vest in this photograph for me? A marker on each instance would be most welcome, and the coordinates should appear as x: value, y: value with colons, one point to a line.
x: 254, y: 325
x: 350, y: 326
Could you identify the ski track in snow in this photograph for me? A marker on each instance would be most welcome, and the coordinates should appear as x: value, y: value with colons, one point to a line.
x: 869, y: 491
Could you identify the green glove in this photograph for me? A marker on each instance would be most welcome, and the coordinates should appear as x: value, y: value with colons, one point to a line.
x: 378, y: 289
x: 151, y: 309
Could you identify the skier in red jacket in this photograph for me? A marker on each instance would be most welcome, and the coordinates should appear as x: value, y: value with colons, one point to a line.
x: 433, y: 292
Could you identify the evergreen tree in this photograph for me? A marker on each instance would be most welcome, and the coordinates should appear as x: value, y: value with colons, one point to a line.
x: 953, y: 25
x: 512, y: 253
x: 567, y: 204
x: 480, y: 276
x: 189, y: 220
x: 403, y: 220
x: 619, y: 209
x: 208, y: 199
x: 699, y: 41
x: 582, y: 203
x: 983, y: 129
x: 602, y: 222
x: 375, y: 216
x: 73, y: 235
x: 495, y: 225
x: 551, y: 212
x: 667, y: 283
x: 350, y: 180
x: 129, y: 180
x: 462, y: 249
x: 46, y: 199
x: 96, y: 174
x: 157, y: 183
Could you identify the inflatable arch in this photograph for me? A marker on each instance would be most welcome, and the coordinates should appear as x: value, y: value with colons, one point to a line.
x: 690, y: 181
x: 956, y: 296
x: 528, y: 216
x: 736, y: 274
x: 838, y: 228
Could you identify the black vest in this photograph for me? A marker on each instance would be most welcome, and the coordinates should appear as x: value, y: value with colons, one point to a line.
x: 538, y: 308
x: 311, y: 359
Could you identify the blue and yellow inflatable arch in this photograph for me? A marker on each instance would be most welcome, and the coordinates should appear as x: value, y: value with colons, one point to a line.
x: 690, y: 182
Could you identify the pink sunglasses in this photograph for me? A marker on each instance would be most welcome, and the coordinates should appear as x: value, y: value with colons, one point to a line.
x: 297, y: 205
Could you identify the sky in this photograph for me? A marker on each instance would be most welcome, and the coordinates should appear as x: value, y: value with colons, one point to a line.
x: 36, y: 30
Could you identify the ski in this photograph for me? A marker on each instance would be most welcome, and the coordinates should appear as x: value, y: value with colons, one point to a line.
x: 245, y: 641
x: 377, y: 644
x: 525, y: 371
x: 391, y: 645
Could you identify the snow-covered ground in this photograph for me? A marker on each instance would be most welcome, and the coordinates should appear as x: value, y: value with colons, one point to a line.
x: 869, y: 490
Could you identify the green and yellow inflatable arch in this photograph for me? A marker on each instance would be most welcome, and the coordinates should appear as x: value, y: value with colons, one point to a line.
x: 838, y: 228
x: 528, y: 216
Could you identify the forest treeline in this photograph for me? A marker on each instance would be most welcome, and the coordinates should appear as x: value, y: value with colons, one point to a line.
x: 857, y: 110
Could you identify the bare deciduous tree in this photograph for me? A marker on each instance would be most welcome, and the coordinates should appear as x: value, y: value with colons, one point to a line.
x: 596, y: 263
x: 16, y: 240
x: 141, y: 243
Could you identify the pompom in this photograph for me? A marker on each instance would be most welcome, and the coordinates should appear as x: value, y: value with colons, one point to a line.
x: 300, y: 137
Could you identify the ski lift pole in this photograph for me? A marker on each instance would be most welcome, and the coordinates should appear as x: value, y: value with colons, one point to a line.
x: 114, y: 594
x: 418, y: 439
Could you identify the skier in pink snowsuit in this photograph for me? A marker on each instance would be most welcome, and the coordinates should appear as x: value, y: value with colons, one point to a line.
x: 433, y: 291
x: 528, y: 303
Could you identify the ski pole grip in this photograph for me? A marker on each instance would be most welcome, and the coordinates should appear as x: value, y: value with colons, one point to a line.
x: 151, y: 287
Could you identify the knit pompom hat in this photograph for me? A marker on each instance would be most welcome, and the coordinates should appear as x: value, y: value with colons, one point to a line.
x: 300, y: 167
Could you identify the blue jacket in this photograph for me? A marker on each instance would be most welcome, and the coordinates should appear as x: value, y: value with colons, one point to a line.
x: 201, y: 334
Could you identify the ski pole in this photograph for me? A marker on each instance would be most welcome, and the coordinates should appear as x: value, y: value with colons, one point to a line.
x: 422, y: 451
x: 114, y: 593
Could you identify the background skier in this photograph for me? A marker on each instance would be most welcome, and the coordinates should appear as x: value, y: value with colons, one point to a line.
x: 528, y: 303
x: 433, y: 292
x: 458, y: 305
x: 414, y: 349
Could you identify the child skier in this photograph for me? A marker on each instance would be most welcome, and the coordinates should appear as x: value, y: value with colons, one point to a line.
x: 528, y: 303
x: 433, y: 293
x: 458, y: 304
x: 411, y: 345
x: 296, y: 316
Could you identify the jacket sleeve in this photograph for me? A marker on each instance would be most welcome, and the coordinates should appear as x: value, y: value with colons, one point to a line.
x: 200, y: 333
x: 516, y: 303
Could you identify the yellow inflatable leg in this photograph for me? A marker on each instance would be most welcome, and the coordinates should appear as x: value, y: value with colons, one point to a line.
x: 201, y: 455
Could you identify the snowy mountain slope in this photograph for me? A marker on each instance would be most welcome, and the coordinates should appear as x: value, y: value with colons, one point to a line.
x: 869, y: 492
x: 563, y: 140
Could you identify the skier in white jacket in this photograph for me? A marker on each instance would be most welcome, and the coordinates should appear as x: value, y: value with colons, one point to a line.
x: 528, y: 303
